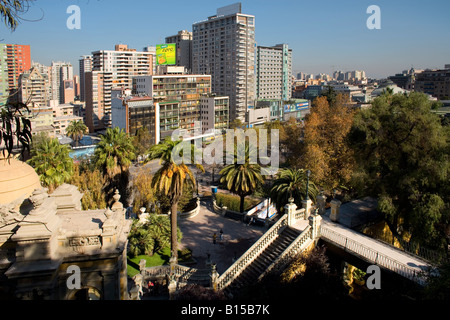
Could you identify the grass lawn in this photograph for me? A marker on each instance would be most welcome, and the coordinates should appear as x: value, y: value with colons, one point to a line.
x: 158, y: 259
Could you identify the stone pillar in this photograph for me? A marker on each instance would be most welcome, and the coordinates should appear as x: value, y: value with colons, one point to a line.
x: 290, y: 211
x: 214, y: 276
x: 172, y: 288
x: 335, y: 205
x: 315, y: 221
x: 321, y: 201
x: 307, y: 204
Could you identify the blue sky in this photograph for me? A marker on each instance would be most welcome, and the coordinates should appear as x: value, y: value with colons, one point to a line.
x: 324, y: 35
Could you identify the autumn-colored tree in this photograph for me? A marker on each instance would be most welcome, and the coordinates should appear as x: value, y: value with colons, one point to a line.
x: 90, y: 182
x: 325, y: 149
x: 291, y: 133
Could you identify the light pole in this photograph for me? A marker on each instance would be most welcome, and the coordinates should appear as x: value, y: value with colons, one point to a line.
x: 308, y: 172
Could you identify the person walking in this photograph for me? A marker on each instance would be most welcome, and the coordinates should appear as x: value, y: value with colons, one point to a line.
x: 214, y: 238
x: 221, y: 235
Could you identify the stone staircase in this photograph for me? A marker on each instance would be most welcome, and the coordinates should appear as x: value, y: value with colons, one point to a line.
x: 256, y: 269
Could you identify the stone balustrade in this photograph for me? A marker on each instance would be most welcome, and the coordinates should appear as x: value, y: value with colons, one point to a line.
x: 250, y: 255
x: 183, y: 274
x: 372, y: 255
x: 291, y: 252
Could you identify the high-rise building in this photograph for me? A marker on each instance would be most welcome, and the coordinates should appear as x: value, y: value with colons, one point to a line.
x: 123, y: 63
x: 274, y: 72
x: 15, y: 59
x: 60, y: 71
x: 34, y: 88
x: 85, y: 66
x: 114, y: 69
x: 224, y: 47
x: 183, y: 40
x: 98, y: 86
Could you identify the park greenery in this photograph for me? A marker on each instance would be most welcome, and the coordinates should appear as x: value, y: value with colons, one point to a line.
x: 396, y: 151
x: 171, y: 179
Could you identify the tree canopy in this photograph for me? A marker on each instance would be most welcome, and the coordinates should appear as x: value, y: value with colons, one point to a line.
x: 325, y: 150
x: 403, y: 152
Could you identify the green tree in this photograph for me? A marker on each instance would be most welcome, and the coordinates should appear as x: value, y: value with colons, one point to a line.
x: 113, y: 156
x: 242, y: 177
x: 52, y: 163
x: 114, y: 152
x: 403, y: 156
x: 152, y: 236
x: 140, y: 241
x: 171, y: 179
x: 75, y: 130
x: 291, y: 183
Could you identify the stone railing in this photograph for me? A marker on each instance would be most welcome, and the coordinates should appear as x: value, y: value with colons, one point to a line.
x: 300, y: 214
x: 192, y: 213
x: 372, y: 255
x: 183, y: 274
x: 218, y: 209
x: 291, y: 252
x: 250, y: 255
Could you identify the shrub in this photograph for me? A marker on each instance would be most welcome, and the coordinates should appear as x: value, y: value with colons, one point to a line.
x: 232, y: 202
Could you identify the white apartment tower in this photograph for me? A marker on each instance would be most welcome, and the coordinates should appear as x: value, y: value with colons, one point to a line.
x: 60, y: 71
x: 224, y: 47
x: 111, y: 69
x: 123, y: 63
x: 274, y: 72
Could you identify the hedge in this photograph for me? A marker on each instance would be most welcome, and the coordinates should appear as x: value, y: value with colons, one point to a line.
x: 232, y: 202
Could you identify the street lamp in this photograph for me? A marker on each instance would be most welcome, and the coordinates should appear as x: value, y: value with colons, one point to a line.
x: 308, y: 172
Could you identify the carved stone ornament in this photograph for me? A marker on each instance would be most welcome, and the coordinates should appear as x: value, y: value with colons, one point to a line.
x: 84, y: 241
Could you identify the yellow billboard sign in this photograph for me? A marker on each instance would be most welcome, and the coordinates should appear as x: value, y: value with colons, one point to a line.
x: 166, y: 54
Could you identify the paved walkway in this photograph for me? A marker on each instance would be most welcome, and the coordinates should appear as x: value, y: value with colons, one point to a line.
x: 372, y: 249
x: 198, y: 236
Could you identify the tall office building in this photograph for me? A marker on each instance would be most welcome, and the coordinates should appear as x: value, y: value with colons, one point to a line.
x: 274, y: 72
x: 224, y: 47
x: 15, y: 59
x: 183, y: 40
x: 85, y: 64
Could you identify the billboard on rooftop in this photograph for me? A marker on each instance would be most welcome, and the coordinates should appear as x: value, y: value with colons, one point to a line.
x: 166, y: 54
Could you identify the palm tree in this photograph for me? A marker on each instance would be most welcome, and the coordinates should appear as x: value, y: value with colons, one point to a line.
x: 292, y: 183
x: 75, y: 130
x: 170, y: 180
x: 52, y: 163
x: 242, y: 178
x: 114, y: 152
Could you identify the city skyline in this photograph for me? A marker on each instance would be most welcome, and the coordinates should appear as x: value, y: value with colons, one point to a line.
x: 324, y: 39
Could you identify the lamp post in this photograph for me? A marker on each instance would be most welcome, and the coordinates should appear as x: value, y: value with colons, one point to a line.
x: 308, y: 172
